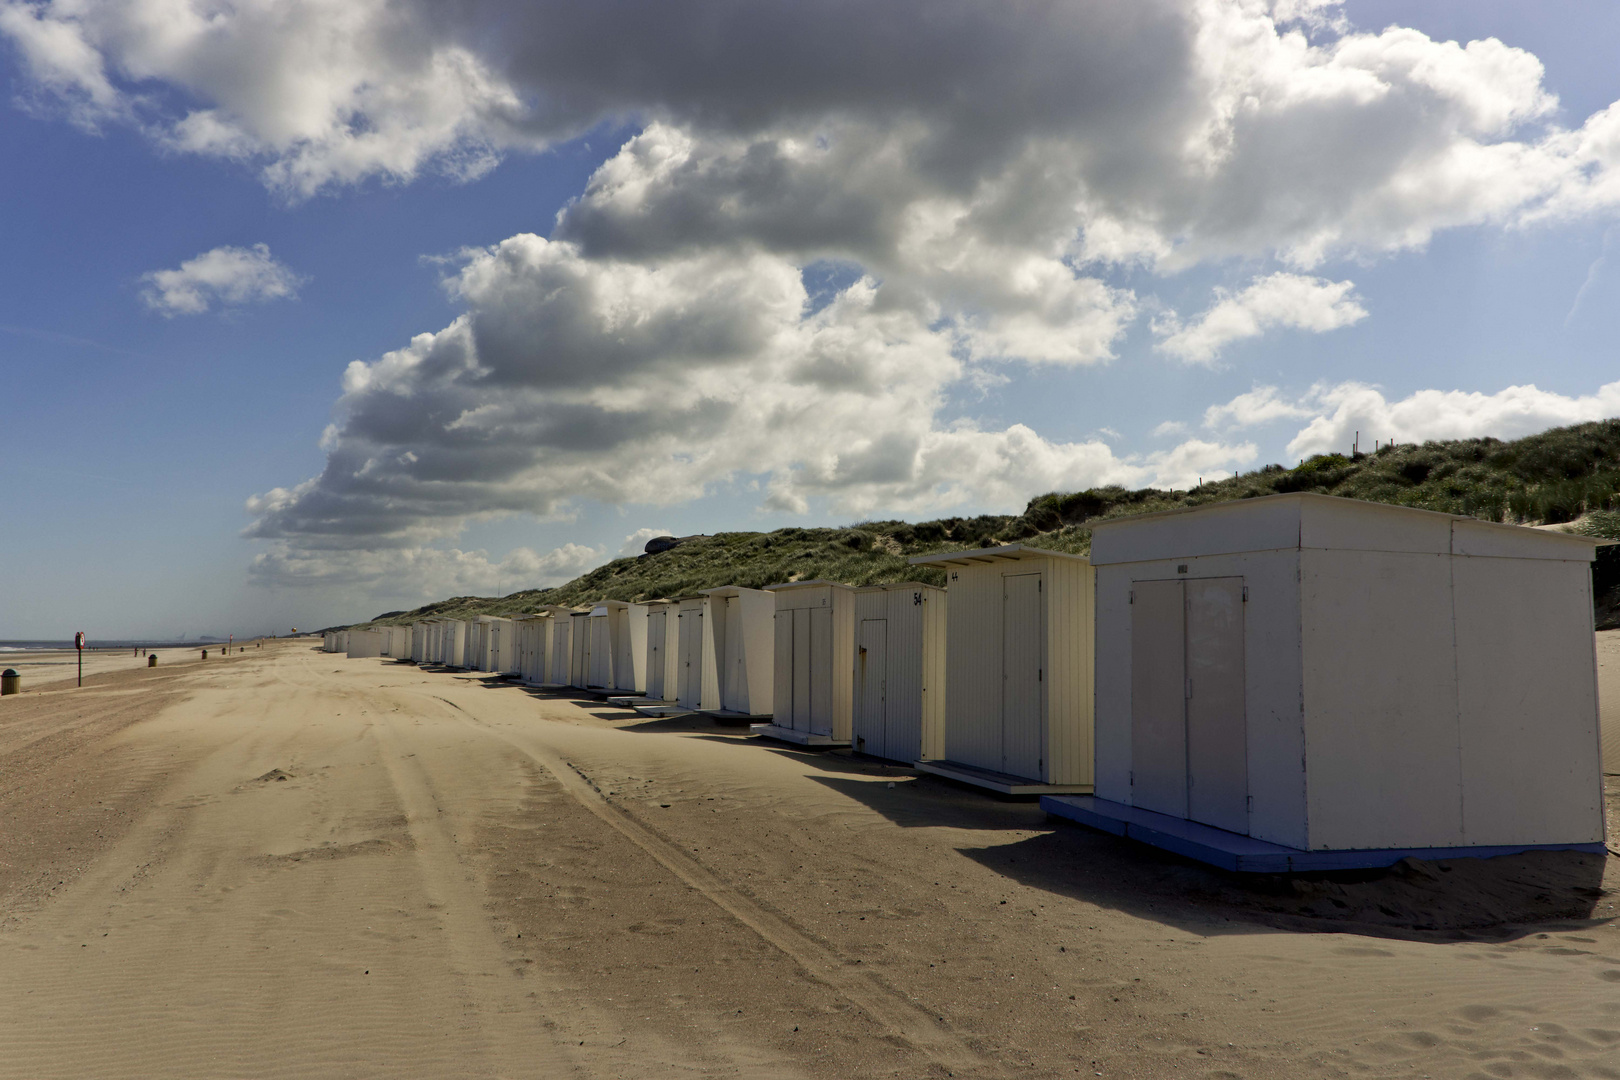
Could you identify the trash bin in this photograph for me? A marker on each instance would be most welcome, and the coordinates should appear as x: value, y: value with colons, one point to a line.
x: 10, y: 682
x: 151, y: 659
x: 205, y: 654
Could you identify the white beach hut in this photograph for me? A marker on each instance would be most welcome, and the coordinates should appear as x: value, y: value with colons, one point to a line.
x: 329, y: 641
x: 479, y: 640
x: 813, y: 667
x: 742, y: 623
x: 599, y: 666
x: 1018, y: 647
x: 1302, y: 682
x: 366, y: 643
x: 502, y: 646
x: 419, y: 641
x: 559, y: 646
x: 698, y: 670
x: 454, y: 647
x: 899, y: 671
x: 627, y: 642
x: 663, y: 652
x: 529, y: 654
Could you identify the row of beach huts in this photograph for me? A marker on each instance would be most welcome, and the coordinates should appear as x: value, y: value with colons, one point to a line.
x: 1293, y: 682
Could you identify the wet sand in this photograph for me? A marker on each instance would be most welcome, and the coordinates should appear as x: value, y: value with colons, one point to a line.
x: 294, y: 864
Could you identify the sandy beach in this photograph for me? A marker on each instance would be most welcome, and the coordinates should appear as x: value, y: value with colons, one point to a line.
x: 289, y: 863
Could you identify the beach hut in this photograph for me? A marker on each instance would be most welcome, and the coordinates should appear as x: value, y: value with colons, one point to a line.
x: 899, y: 671
x: 813, y: 668
x: 502, y: 646
x: 1300, y: 682
x: 698, y: 673
x: 627, y: 641
x: 366, y: 643
x: 742, y: 623
x: 559, y: 646
x: 663, y: 652
x: 599, y: 653
x: 1018, y: 646
x: 453, y: 646
x: 419, y: 642
x: 478, y: 643
x: 529, y: 654
x: 329, y: 641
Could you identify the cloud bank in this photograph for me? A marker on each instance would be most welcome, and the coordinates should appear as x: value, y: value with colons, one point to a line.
x: 1337, y: 413
x: 225, y: 276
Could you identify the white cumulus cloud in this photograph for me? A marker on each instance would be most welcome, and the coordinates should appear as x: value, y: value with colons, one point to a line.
x: 1290, y: 301
x: 225, y: 276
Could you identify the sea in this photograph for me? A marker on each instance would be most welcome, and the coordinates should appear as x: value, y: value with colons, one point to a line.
x: 111, y: 645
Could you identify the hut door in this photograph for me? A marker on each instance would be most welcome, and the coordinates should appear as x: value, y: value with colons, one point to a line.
x: 734, y: 680
x: 1021, y: 677
x: 689, y: 676
x: 601, y: 671
x: 872, y: 675
x: 1158, y: 697
x: 656, y: 623
x: 1217, y: 736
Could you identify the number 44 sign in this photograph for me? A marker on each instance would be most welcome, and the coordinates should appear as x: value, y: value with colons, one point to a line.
x: 78, y: 640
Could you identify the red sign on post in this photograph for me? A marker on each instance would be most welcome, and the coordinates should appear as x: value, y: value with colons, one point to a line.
x: 78, y: 640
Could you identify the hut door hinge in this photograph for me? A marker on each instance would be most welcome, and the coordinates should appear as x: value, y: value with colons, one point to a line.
x: 1133, y: 778
x: 1040, y: 675
x: 1245, y: 594
x: 1133, y: 596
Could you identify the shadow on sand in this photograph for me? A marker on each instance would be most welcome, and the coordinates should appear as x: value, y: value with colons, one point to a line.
x: 1448, y: 900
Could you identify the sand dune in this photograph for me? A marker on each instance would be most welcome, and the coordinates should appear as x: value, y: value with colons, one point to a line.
x: 302, y: 865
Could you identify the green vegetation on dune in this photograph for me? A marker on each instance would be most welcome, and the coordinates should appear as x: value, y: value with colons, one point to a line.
x: 1564, y: 475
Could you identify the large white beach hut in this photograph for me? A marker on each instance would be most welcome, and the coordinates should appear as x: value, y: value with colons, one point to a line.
x: 742, y: 622
x: 329, y: 641
x: 813, y: 669
x: 419, y: 642
x: 899, y: 671
x: 698, y: 669
x: 627, y: 641
x: 663, y: 651
x: 1303, y: 682
x: 1018, y: 646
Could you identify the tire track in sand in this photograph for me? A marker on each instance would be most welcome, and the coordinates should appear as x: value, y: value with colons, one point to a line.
x: 889, y: 1007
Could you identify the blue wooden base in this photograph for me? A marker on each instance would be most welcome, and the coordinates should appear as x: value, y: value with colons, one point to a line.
x: 1245, y: 854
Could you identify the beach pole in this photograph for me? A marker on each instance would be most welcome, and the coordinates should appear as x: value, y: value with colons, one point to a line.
x: 78, y: 646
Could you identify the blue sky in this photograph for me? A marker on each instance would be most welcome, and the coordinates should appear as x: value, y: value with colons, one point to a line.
x: 652, y: 365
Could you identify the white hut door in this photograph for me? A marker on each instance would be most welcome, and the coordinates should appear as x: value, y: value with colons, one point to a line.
x: 872, y: 670
x: 1217, y: 736
x: 1021, y: 677
x: 690, y: 673
x: 1158, y: 698
x: 657, y: 626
